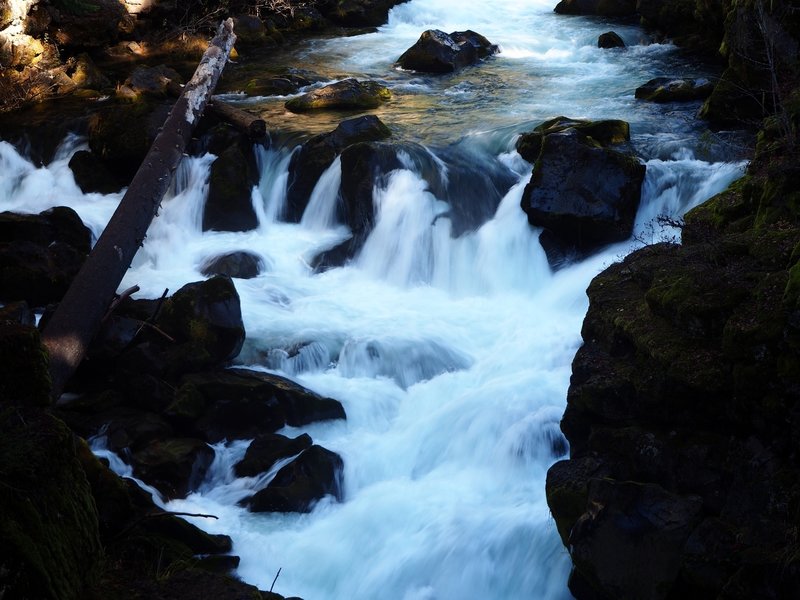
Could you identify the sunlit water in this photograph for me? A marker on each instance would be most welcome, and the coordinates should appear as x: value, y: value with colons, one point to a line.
x: 450, y: 351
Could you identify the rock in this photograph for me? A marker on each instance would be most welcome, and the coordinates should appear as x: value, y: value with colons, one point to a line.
x: 86, y: 75
x: 607, y: 132
x: 18, y: 313
x: 241, y: 404
x: 318, y: 153
x: 267, y: 449
x: 358, y: 13
x: 241, y: 265
x: 229, y: 206
x: 120, y: 135
x: 92, y: 175
x: 363, y: 167
x: 205, y: 319
x: 174, y: 466
x: 668, y: 89
x: 75, y: 25
x: 631, y: 536
x: 40, y: 254
x: 438, y: 52
x: 348, y: 94
x: 125, y: 429
x: 285, y: 82
x: 51, y: 546
x: 584, y: 195
x: 610, y: 39
x: 603, y: 8
x: 313, y: 475
x: 250, y: 32
x: 24, y: 366
x: 157, y: 81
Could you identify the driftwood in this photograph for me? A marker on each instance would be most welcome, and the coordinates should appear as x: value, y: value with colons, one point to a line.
x: 254, y: 127
x: 78, y: 317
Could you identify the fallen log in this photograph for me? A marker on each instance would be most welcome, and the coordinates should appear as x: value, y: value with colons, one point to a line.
x: 78, y: 317
x: 254, y: 127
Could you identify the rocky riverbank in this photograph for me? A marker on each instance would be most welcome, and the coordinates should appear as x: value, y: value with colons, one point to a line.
x: 683, y: 404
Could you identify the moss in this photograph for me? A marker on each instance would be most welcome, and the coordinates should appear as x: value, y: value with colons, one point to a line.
x: 24, y: 366
x: 51, y: 545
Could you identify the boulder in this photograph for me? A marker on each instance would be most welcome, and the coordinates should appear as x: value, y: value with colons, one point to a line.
x: 610, y: 39
x: 283, y: 83
x: 18, y: 313
x: 439, y: 52
x: 583, y: 195
x: 603, y: 8
x: 607, y: 132
x: 252, y: 33
x: 87, y: 24
x: 318, y: 153
x: 121, y: 134
x: 363, y: 167
x: 24, y: 366
x: 174, y: 466
x: 229, y: 206
x: 240, y: 265
x: 241, y: 404
x: 40, y: 254
x: 348, y: 94
x: 51, y: 546
x: 311, y: 476
x: 92, y: 175
x: 125, y: 429
x: 670, y: 89
x: 358, y: 13
x: 85, y: 74
x: 267, y: 449
x: 157, y: 81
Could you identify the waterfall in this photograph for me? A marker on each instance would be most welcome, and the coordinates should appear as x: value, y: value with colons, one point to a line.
x: 448, y: 342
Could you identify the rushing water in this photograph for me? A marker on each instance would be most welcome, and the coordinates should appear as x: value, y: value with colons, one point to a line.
x: 448, y: 343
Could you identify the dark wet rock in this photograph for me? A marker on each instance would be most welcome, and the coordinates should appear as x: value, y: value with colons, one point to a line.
x: 348, y: 94
x: 685, y: 394
x: 121, y: 134
x: 157, y: 81
x: 252, y: 33
x: 241, y: 404
x: 229, y: 206
x: 604, y: 8
x: 24, y: 366
x: 74, y: 26
x: 364, y: 166
x: 582, y: 193
x: 439, y: 52
x: 610, y: 39
x: 124, y: 428
x: 51, y: 545
x: 670, y: 89
x: 607, y: 132
x: 358, y: 13
x: 311, y: 476
x: 241, y: 265
x: 92, y: 175
x: 631, y: 537
x: 40, y: 254
x: 18, y: 313
x: 174, y: 466
x: 318, y: 153
x: 267, y: 449
x: 85, y: 74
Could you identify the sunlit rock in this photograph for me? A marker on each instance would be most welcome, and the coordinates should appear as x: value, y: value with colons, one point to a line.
x: 674, y: 89
x: 439, y: 52
x: 348, y: 94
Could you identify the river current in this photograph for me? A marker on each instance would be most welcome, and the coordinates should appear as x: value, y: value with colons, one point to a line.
x: 450, y: 351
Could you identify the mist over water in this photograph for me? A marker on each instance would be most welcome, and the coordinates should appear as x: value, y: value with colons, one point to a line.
x: 450, y: 351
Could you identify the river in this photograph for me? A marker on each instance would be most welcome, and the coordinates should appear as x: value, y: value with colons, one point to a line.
x: 450, y: 353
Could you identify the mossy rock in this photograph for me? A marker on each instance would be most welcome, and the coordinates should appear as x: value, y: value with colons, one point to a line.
x: 24, y: 366
x: 604, y: 133
x: 50, y: 538
x: 348, y: 94
x: 672, y: 89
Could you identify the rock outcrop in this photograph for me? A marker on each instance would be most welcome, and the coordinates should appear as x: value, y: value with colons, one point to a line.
x: 348, y: 94
x: 683, y: 405
x: 675, y: 89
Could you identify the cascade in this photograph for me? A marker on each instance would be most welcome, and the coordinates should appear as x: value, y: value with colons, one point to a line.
x: 449, y: 347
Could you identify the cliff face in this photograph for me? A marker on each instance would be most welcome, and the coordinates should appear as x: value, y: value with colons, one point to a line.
x: 683, y: 412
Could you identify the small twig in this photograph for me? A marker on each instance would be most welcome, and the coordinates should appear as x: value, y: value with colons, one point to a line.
x: 118, y: 300
x: 161, y: 332
x: 278, y: 574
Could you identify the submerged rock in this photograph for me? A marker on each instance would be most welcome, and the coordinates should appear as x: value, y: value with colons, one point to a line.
x: 241, y: 265
x: 439, y: 52
x: 310, y: 477
x: 584, y: 192
x: 348, y: 94
x: 670, y: 89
